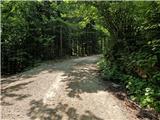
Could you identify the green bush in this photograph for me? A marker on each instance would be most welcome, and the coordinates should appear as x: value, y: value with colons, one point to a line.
x: 144, y: 91
x: 108, y: 72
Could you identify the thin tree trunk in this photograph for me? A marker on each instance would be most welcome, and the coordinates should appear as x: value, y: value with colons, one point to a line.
x: 61, y: 41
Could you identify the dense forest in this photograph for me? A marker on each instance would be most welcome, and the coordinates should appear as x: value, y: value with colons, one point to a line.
x: 126, y: 33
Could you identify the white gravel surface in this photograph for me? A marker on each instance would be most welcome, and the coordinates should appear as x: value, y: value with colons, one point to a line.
x: 67, y: 90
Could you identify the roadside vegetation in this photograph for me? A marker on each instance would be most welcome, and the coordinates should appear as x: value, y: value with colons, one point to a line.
x: 126, y: 33
x: 133, y: 58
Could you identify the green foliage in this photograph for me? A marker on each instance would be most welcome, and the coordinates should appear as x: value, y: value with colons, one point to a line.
x: 145, y: 92
x: 142, y: 91
x: 43, y: 30
x: 133, y: 57
x: 23, y: 22
x: 109, y: 72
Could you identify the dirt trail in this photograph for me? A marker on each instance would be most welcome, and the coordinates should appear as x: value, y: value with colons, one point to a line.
x: 68, y: 90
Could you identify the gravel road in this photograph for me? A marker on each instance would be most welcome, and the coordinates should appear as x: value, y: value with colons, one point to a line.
x: 66, y: 90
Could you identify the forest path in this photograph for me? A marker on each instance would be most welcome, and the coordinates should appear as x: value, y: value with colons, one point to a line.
x: 67, y: 90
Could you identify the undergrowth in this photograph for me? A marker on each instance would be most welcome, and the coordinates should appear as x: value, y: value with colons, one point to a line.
x: 145, y: 91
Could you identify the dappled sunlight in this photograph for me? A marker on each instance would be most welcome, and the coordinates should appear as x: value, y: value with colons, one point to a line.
x: 69, y: 90
x: 83, y: 89
x: 11, y: 93
x: 40, y: 111
x: 83, y: 78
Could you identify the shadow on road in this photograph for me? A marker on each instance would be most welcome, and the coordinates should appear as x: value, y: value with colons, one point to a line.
x: 83, y: 78
x: 60, y: 112
x: 10, y: 92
